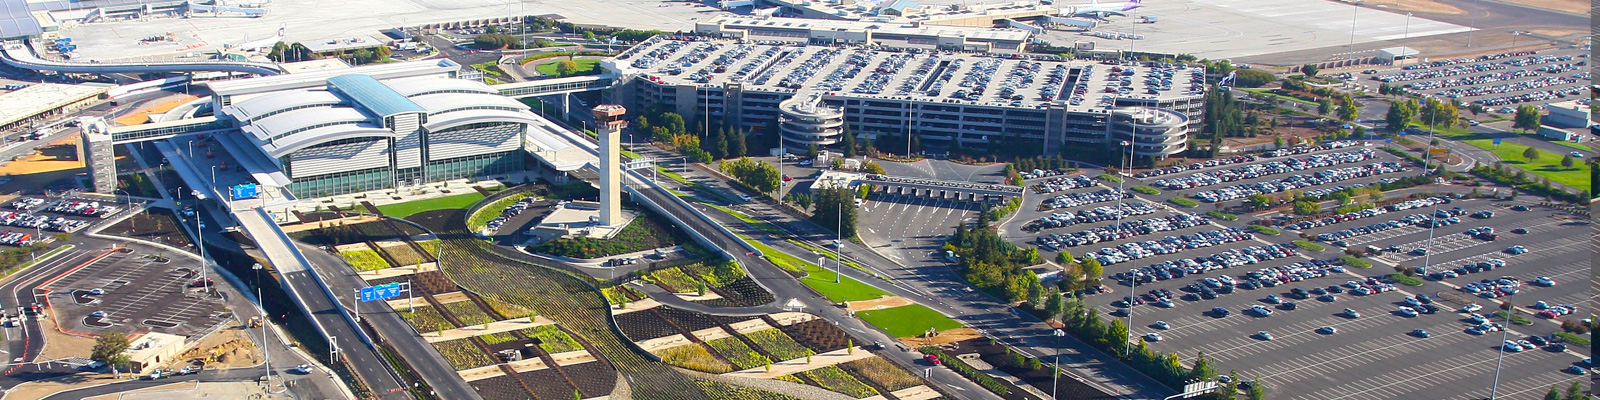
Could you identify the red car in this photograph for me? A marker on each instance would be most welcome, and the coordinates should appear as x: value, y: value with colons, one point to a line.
x: 931, y: 359
x: 786, y: 178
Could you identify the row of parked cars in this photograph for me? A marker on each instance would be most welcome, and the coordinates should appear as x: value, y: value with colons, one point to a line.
x: 26, y: 203
x: 1534, y: 96
x: 15, y: 238
x: 26, y: 220
x: 1442, y: 273
x: 1298, y: 181
x: 1419, y: 220
x: 1062, y: 183
x: 83, y: 208
x: 1203, y: 164
x: 510, y: 211
x: 1097, y: 214
x: 1252, y: 171
x: 1412, y: 73
x: 1126, y: 229
x: 1070, y: 200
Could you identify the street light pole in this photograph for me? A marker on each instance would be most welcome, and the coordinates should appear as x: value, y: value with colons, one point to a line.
x: 838, y: 243
x: 1405, y: 38
x: 1494, y: 390
x: 1353, y: 10
x: 200, y: 238
x: 1055, y: 366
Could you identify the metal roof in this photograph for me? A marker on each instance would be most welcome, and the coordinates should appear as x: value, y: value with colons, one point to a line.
x: 16, y: 21
x: 372, y: 95
x: 254, y: 106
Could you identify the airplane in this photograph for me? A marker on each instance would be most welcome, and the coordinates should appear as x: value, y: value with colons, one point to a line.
x: 263, y: 44
x: 1100, y: 11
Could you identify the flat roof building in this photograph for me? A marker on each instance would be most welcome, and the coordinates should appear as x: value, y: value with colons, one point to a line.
x: 888, y: 34
x: 41, y: 101
x: 1018, y: 104
x: 905, y: 11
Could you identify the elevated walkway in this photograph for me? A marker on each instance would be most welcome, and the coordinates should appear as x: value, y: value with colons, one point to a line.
x: 21, y: 55
x: 248, y: 11
x: 542, y: 87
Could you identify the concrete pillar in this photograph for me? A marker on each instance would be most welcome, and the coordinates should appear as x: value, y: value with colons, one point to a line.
x: 610, y: 176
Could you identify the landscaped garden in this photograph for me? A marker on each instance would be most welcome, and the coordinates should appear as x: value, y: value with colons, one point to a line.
x: 908, y: 321
x: 364, y: 259
x: 694, y: 356
x: 644, y: 233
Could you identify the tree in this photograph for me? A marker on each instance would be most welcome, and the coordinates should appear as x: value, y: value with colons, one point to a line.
x: 1324, y: 105
x: 1260, y: 200
x: 1400, y: 114
x: 1475, y: 108
x: 1566, y: 161
x: 757, y: 175
x: 674, y: 123
x: 1064, y: 258
x: 804, y: 201
x: 1310, y: 70
x: 1035, y: 295
x: 588, y: 35
x: 736, y: 144
x: 1117, y: 335
x: 1092, y: 269
x: 1531, y: 154
x: 1348, y: 110
x: 872, y: 167
x: 1251, y: 78
x: 494, y: 41
x: 1575, y: 392
x: 1527, y: 118
x: 1257, y: 390
x: 1307, y: 207
x: 1360, y: 132
x: 1054, y: 305
x: 1553, y: 394
x: 811, y: 151
x: 566, y: 68
x: 109, y: 348
x: 837, y: 206
x: 1437, y: 113
x: 1230, y: 390
x: 1202, y: 368
x: 847, y: 141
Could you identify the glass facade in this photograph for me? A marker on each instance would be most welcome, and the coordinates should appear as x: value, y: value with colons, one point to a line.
x: 342, y: 182
x: 475, y: 166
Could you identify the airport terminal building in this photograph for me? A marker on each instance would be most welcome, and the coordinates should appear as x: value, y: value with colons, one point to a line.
x: 338, y: 132
x: 815, y: 92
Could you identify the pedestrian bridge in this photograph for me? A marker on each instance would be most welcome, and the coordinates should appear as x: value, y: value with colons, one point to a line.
x: 544, y: 87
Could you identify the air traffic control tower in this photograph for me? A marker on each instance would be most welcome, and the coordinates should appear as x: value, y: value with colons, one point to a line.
x: 609, y: 122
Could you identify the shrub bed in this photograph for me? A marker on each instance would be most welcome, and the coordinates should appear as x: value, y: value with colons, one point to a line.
x: 468, y: 313
x: 426, y: 319
x: 835, y: 379
x: 694, y: 356
x: 1183, y: 202
x: 642, y: 234
x: 552, y: 339
x: 364, y: 259
x: 463, y: 355
x: 1354, y: 262
x: 1309, y: 246
x: 742, y: 356
x: 1516, y: 319
x: 1265, y: 230
x: 673, y: 280
x: 1222, y: 215
x: 883, y: 373
x: 1405, y: 280
x: 1573, y: 338
x: 778, y: 344
x: 1146, y: 190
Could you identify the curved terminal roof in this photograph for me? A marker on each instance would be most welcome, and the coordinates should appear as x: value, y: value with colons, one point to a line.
x: 372, y: 95
x: 418, y: 86
x: 454, y: 119
x: 325, y: 134
x: 278, y: 125
x: 439, y: 103
x: 255, y: 107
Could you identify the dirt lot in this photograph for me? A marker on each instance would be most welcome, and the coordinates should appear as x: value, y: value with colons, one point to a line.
x: 60, y: 345
x: 156, y: 224
x: 233, y: 348
x: 1422, y: 6
x: 51, y: 168
x: 874, y: 304
x: 1567, y: 6
x: 950, y: 336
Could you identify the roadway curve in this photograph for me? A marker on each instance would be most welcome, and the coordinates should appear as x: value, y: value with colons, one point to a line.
x: 24, y: 57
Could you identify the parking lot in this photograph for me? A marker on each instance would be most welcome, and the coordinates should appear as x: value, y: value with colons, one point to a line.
x: 1494, y: 81
x: 1373, y: 355
x: 1376, y: 354
x: 130, y: 291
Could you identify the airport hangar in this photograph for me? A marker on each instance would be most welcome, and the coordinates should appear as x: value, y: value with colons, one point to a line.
x: 375, y: 127
x: 814, y: 91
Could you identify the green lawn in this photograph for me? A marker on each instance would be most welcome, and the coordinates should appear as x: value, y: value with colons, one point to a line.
x: 1546, y: 165
x: 821, y: 280
x: 1268, y: 92
x: 908, y: 321
x: 586, y: 66
x: 406, y: 209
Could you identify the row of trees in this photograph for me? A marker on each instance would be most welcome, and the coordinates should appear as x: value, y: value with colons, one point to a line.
x: 836, y: 206
x: 290, y: 52
x: 1432, y: 113
x: 703, y: 146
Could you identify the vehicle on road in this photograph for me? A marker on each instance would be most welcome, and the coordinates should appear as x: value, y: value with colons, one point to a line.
x: 1162, y: 325
x: 1351, y: 313
x: 1327, y: 330
x: 1407, y: 311
x: 1261, y: 311
x: 1421, y: 333
x: 1263, y: 335
x: 1154, y: 337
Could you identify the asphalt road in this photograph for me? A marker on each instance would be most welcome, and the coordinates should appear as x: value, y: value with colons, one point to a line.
x: 421, y: 356
x: 917, y: 276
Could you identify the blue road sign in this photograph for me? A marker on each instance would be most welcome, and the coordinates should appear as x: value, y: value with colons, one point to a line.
x: 1388, y: 140
x: 380, y: 292
x: 248, y: 191
x: 1497, y: 141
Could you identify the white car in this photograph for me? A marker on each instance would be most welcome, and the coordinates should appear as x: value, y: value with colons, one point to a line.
x: 1153, y: 337
x: 303, y: 368
x: 1262, y: 311
x: 1472, y: 308
x: 1328, y: 330
x: 1407, y: 311
x: 1163, y: 325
